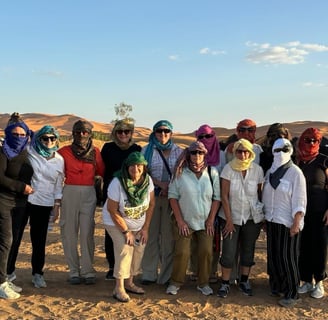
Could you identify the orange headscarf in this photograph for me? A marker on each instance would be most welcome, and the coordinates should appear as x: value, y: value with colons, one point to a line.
x: 308, y: 150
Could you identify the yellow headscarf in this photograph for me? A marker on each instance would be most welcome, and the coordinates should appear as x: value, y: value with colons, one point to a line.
x: 241, y: 165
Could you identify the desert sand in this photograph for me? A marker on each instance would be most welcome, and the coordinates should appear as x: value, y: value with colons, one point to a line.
x: 60, y: 300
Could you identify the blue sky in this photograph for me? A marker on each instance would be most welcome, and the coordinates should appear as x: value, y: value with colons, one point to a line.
x: 192, y: 62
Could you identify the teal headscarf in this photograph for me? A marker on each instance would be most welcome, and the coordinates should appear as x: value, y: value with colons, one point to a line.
x: 39, y: 147
x: 153, y: 142
x: 136, y: 193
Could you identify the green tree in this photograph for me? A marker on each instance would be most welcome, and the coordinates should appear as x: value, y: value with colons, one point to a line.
x: 123, y: 111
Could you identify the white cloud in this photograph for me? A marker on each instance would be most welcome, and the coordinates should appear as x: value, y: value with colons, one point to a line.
x: 293, y: 52
x: 212, y: 52
x: 174, y: 57
x: 314, y: 85
x: 48, y: 73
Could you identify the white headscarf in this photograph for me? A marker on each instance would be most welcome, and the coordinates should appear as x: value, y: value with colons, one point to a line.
x: 281, y: 158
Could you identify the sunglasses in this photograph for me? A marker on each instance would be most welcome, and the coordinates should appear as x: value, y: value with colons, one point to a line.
x: 310, y: 140
x: 194, y: 152
x: 21, y: 135
x: 205, y: 136
x: 126, y: 132
x: 243, y: 129
x: 163, y: 130
x: 284, y: 149
x: 239, y: 151
x: 84, y: 133
x: 46, y: 138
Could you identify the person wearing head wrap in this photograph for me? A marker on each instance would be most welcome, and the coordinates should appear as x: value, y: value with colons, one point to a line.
x: 214, y: 157
x: 113, y: 154
x: 284, y: 198
x: 194, y: 195
x: 15, y: 185
x: 83, y: 163
x: 275, y: 131
x: 313, y: 258
x: 127, y: 213
x: 241, y: 185
x: 47, y: 181
x: 246, y: 129
x: 161, y: 154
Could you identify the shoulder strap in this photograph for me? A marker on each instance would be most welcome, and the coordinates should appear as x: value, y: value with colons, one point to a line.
x: 209, y: 173
x: 165, y: 162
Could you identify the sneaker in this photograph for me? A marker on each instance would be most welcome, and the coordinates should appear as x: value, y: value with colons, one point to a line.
x: 14, y: 287
x: 74, y: 280
x: 318, y: 291
x: 172, y: 289
x: 11, y: 277
x: 288, y: 303
x: 246, y: 288
x: 7, y: 293
x: 90, y: 280
x: 38, y: 281
x: 206, y: 290
x: 224, y: 290
x: 109, y: 275
x: 305, y: 287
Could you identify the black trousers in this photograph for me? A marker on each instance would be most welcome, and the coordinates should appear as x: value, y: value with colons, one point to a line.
x: 109, y: 250
x: 38, y: 218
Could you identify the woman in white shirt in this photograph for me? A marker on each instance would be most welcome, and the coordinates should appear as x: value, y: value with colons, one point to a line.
x: 127, y: 214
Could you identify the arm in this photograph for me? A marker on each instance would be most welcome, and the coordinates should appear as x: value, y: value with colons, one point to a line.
x: 225, y: 189
x: 182, y: 225
x: 295, y: 228
x: 209, y: 223
x: 112, y: 207
x: 149, y: 213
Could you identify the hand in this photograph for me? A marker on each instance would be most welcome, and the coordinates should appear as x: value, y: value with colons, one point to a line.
x: 129, y: 238
x: 143, y: 235
x: 228, y: 229
x: 183, y: 229
x: 28, y: 189
x: 295, y: 229
x: 209, y: 225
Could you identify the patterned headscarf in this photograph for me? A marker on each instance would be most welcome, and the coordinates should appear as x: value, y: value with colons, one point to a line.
x: 239, y: 164
x: 12, y: 145
x: 153, y: 142
x: 37, y: 144
x: 82, y: 146
x: 308, y: 151
x: 184, y: 159
x: 124, y: 124
x: 211, y: 144
x: 136, y: 193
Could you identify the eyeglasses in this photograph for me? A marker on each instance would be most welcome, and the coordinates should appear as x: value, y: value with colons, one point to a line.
x: 126, y: 132
x: 284, y: 149
x: 46, y: 138
x: 194, y: 152
x: 205, y: 136
x: 84, y: 133
x: 163, y: 130
x: 21, y: 135
x: 310, y: 140
x: 243, y: 129
x: 240, y: 151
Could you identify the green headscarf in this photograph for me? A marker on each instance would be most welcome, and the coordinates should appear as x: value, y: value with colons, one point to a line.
x: 136, y: 193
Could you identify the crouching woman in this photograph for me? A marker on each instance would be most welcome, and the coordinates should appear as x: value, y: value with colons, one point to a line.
x: 126, y: 215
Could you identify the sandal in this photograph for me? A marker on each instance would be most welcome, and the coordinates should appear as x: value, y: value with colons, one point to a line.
x: 121, y: 297
x: 132, y: 288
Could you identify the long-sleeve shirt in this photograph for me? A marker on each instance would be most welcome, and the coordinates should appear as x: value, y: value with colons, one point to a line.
x: 281, y: 204
x: 195, y: 195
x: 47, y: 179
x: 78, y: 172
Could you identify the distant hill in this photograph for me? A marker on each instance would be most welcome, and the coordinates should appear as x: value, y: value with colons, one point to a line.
x: 64, y: 124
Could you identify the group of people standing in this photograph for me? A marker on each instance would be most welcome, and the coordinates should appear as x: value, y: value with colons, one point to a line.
x: 167, y: 208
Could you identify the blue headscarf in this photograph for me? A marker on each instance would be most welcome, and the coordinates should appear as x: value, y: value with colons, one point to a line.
x: 39, y: 147
x: 153, y: 142
x: 12, y: 145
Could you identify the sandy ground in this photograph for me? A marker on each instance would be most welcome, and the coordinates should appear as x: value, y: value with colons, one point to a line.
x: 60, y: 300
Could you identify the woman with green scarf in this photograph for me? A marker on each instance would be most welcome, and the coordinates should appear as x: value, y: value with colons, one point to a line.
x: 126, y: 215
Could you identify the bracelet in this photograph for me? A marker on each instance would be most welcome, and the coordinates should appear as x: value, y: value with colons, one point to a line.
x: 126, y: 231
x: 57, y: 204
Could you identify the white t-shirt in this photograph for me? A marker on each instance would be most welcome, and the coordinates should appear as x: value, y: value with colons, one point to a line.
x: 116, y: 192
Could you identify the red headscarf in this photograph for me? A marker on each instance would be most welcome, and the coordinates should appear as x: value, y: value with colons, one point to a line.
x: 308, y: 151
x: 246, y: 123
x: 211, y: 144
